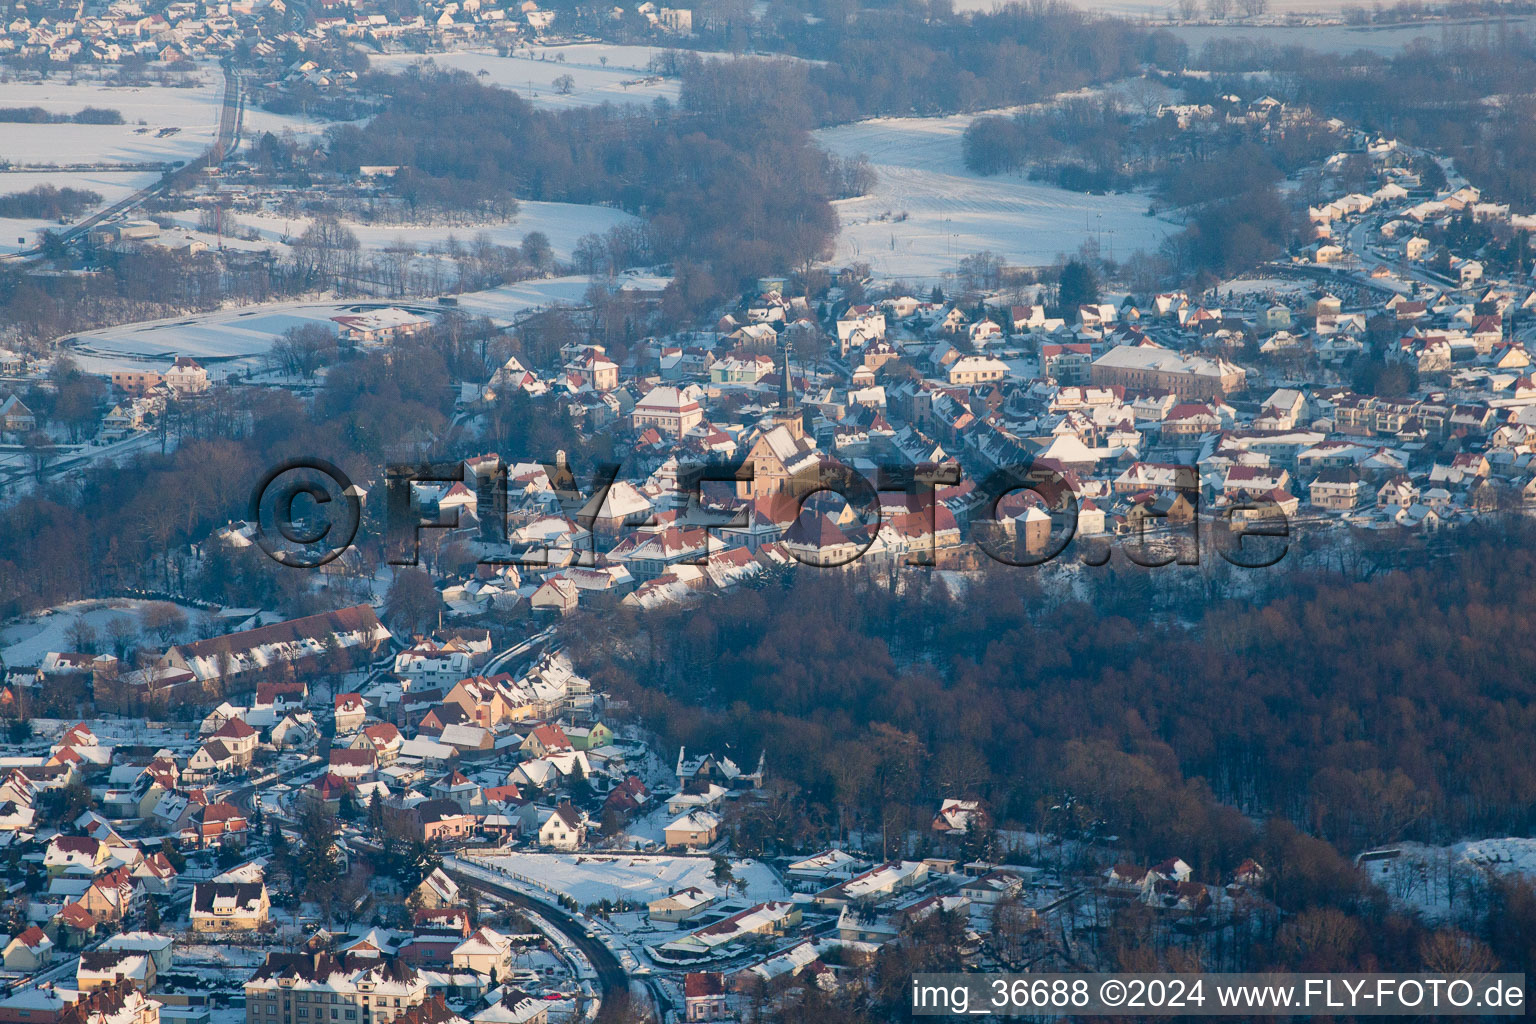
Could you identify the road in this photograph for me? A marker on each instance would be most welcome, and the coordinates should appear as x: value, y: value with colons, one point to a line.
x: 611, y: 978
x: 223, y: 144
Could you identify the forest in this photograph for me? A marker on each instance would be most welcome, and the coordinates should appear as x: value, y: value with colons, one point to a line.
x: 1364, y: 711
x: 719, y: 191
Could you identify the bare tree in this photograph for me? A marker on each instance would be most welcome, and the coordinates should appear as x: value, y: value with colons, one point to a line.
x: 122, y: 635
x: 165, y: 620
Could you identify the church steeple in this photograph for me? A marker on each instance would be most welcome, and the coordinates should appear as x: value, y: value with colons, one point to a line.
x: 787, y: 415
x: 786, y: 395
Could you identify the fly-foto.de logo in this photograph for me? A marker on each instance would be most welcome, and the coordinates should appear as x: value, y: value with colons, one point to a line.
x: 307, y: 512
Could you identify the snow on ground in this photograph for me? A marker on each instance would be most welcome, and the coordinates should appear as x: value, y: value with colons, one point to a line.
x: 532, y: 71
x: 1265, y: 286
x: 17, y: 233
x: 1385, y: 40
x: 1166, y: 9
x: 1511, y: 855
x: 1443, y: 882
x: 147, y: 109
x: 562, y: 223
x: 256, y: 121
x: 590, y: 878
x: 225, y: 341
x: 512, y: 300
x: 193, y: 111
x: 950, y: 213
x: 27, y: 641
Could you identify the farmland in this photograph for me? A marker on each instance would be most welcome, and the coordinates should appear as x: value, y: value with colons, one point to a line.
x: 927, y: 210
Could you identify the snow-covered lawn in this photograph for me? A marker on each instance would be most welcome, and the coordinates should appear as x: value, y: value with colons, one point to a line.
x: 927, y: 211
x: 27, y: 641
x: 532, y: 72
x: 591, y: 877
x: 257, y: 121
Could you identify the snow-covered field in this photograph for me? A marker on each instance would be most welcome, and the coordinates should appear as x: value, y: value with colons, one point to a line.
x: 225, y: 342
x: 193, y: 110
x: 256, y: 122
x: 26, y: 642
x: 147, y: 110
x: 21, y: 233
x: 509, y: 301
x: 531, y: 72
x: 562, y: 223
x: 1165, y: 9
x: 592, y: 877
x: 1385, y: 40
x: 928, y: 211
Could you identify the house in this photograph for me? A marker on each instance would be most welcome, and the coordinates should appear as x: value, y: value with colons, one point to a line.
x: 957, y: 817
x: 379, y: 325
x: 351, y: 710
x: 159, y: 948
x: 486, y: 952
x: 1066, y: 364
x: 76, y: 855
x: 29, y: 951
x: 556, y: 594
x: 668, y: 409
x: 98, y: 968
x: 229, y: 906
x: 1337, y: 489
x: 704, y: 997
x: 239, y: 739
x: 545, y: 740
x: 15, y: 417
x: 1148, y: 367
x: 437, y: 891
x: 369, y: 989
x: 111, y: 896
x: 563, y: 829
x: 773, y: 918
x: 186, y: 377
x: 215, y: 823
x: 434, y: 820
x: 75, y: 926
x: 993, y: 887
x: 877, y: 884
x: 969, y: 370
x: 683, y: 905
x: 384, y: 739
x: 693, y: 831
x: 240, y: 660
